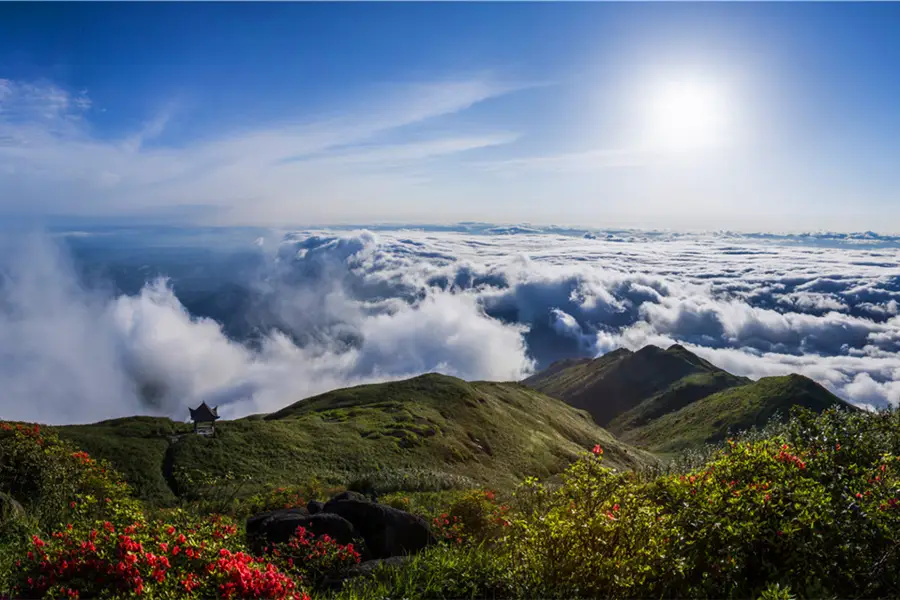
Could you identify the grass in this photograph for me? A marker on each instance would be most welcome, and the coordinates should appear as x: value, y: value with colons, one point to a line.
x: 438, y: 572
x: 136, y: 446
x: 429, y: 432
x: 712, y: 418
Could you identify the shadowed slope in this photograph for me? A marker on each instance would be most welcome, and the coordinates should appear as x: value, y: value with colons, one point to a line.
x: 620, y: 381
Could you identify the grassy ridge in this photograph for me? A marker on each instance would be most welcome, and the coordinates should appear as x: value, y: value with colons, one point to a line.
x: 433, y: 431
x: 619, y: 381
x: 667, y: 400
x: 710, y: 419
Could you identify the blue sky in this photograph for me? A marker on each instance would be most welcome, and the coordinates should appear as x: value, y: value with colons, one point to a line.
x: 303, y: 114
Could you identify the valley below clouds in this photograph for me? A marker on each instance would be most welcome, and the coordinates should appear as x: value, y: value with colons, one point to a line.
x: 291, y: 314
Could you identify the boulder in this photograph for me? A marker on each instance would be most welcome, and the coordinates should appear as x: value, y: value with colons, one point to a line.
x: 279, y: 526
x: 348, y: 495
x: 315, y: 507
x: 259, y: 521
x: 387, y: 531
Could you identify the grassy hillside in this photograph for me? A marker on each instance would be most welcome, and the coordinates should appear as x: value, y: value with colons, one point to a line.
x: 618, y: 382
x: 431, y: 430
x: 711, y: 418
x: 683, y: 392
x: 136, y: 446
x: 666, y: 400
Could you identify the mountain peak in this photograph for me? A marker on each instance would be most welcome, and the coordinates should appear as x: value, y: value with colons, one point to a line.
x: 629, y: 392
x: 620, y: 380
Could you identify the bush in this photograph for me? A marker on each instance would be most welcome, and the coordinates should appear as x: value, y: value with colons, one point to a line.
x: 313, y: 559
x: 53, y: 483
x: 815, y: 510
x: 476, y: 517
x: 163, y: 559
x: 596, y: 534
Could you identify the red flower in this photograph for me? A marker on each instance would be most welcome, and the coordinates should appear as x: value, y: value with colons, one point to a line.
x: 597, y: 450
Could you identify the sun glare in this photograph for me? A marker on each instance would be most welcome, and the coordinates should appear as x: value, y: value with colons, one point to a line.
x: 686, y: 115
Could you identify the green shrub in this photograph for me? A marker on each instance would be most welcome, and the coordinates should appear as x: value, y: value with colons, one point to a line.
x: 478, y: 515
x: 53, y: 483
x: 595, y: 535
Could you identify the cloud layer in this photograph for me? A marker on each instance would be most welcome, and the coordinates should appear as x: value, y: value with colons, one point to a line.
x: 331, y: 308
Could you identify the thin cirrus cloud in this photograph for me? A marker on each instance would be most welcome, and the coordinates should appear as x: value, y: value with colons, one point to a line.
x: 53, y: 161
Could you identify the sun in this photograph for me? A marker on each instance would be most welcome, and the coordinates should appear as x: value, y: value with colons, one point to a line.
x: 682, y: 115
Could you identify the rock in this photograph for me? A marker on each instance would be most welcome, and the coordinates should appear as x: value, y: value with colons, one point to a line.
x: 10, y: 509
x: 315, y: 507
x: 387, y: 531
x: 348, y: 495
x: 279, y: 526
x: 256, y: 523
x: 368, y: 567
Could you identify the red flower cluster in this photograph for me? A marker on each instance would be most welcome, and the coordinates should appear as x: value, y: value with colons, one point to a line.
x: 597, y: 450
x: 448, y: 528
x: 308, y: 556
x: 83, y: 457
x: 788, y: 458
x: 892, y: 503
x: 33, y: 432
x: 242, y: 577
x: 137, y: 557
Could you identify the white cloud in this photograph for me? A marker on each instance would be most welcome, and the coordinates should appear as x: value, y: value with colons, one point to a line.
x: 339, y: 308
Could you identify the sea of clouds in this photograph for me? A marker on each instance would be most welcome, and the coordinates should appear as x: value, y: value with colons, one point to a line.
x: 335, y: 308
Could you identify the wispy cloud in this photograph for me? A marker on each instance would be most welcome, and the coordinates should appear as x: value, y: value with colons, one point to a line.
x: 54, y: 162
x: 574, y: 161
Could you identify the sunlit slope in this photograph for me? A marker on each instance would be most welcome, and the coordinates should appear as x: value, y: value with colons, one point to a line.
x: 431, y: 430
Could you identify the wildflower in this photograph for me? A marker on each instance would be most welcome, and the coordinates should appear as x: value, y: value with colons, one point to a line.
x: 597, y: 450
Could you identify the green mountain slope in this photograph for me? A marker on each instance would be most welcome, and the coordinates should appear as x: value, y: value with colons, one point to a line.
x: 711, y: 418
x: 665, y: 400
x: 433, y: 428
x: 620, y: 381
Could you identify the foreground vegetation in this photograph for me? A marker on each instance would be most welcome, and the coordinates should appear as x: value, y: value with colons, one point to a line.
x: 807, y: 508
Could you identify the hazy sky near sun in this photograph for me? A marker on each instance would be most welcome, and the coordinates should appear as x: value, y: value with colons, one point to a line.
x: 740, y: 116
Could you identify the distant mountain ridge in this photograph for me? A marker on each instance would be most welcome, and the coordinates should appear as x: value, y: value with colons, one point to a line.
x: 665, y: 400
